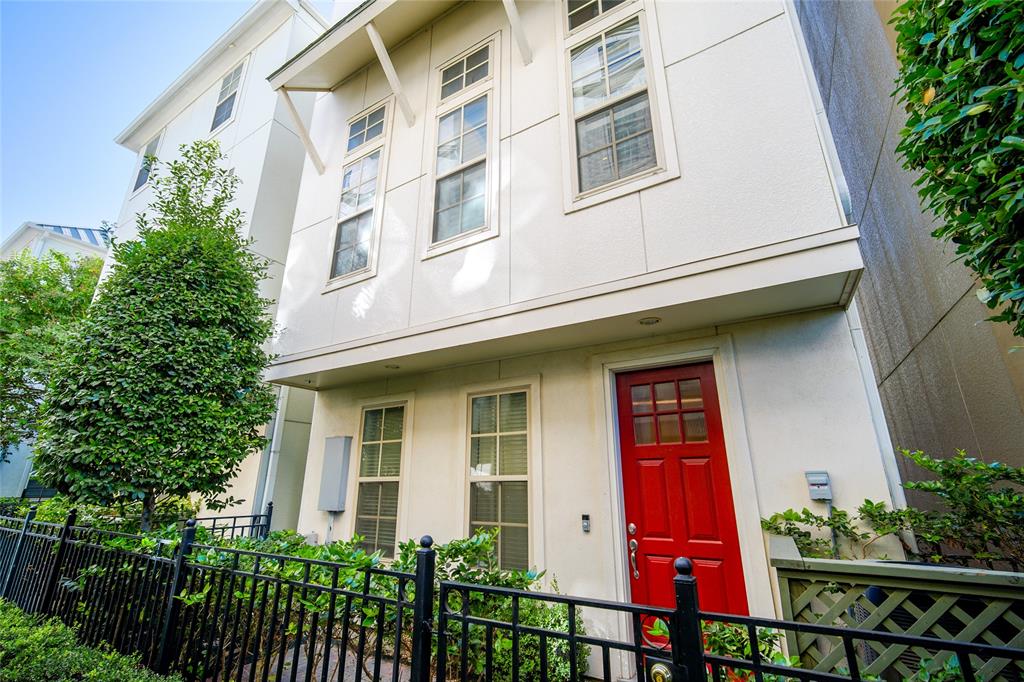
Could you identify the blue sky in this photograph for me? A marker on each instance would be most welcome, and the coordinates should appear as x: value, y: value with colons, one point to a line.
x: 72, y: 76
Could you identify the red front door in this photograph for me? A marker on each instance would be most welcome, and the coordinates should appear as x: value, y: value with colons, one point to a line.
x: 675, y: 479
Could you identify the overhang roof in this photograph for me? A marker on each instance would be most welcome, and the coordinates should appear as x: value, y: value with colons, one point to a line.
x: 345, y: 47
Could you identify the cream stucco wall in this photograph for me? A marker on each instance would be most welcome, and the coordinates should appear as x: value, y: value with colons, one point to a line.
x: 792, y: 399
x: 749, y: 172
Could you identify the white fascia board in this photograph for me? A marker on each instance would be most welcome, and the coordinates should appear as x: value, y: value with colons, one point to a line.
x: 14, y: 236
x: 240, y: 38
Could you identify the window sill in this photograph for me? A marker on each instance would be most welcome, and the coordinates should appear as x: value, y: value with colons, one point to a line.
x: 650, y: 178
x: 481, y: 234
x: 348, y: 280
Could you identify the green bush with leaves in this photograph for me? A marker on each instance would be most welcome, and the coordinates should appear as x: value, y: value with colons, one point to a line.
x: 980, y: 516
x: 33, y: 650
x: 40, y: 299
x: 159, y: 391
x: 962, y: 80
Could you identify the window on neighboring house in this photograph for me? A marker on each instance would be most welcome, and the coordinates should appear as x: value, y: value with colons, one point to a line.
x: 460, y: 202
x: 582, y: 11
x: 380, y: 468
x: 611, y: 107
x: 226, y: 97
x: 498, y: 473
x: 144, y: 165
x: 354, y: 237
x: 366, y: 128
x: 463, y: 73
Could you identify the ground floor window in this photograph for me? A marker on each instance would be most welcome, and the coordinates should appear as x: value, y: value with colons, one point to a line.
x: 380, y: 468
x: 498, y: 473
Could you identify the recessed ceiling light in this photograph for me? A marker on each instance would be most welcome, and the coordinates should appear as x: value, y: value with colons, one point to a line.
x: 649, y: 321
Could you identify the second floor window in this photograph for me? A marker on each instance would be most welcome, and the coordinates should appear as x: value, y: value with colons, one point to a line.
x: 366, y: 128
x: 354, y: 237
x: 460, y: 192
x: 611, y: 107
x: 144, y: 165
x: 226, y: 97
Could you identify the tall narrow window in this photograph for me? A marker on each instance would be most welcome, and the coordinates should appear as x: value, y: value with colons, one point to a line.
x: 355, y: 217
x: 498, y: 473
x: 582, y: 11
x: 380, y: 468
x: 145, y: 164
x: 611, y: 106
x: 460, y: 203
x: 226, y: 97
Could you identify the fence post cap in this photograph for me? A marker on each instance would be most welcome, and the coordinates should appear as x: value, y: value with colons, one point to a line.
x: 683, y: 566
x: 426, y: 542
x: 191, y: 523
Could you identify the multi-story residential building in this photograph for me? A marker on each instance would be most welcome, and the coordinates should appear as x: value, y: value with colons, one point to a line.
x: 40, y: 239
x: 224, y: 96
x: 947, y: 378
x: 580, y: 271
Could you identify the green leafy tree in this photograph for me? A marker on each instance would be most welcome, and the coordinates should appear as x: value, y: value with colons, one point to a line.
x: 159, y: 392
x: 962, y: 79
x: 39, y: 299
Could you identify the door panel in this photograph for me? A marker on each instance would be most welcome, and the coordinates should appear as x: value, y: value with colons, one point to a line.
x: 675, y: 480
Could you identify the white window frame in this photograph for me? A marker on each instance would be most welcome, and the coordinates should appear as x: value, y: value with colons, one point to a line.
x: 159, y: 137
x: 406, y: 401
x: 535, y: 470
x: 490, y: 86
x: 238, y: 97
x: 350, y: 157
x: 667, y: 158
x: 622, y: 10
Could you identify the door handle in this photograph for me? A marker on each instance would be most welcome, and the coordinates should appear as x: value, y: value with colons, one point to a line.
x: 632, y: 558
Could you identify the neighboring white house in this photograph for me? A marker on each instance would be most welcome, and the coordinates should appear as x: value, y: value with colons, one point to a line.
x: 40, y: 239
x: 578, y: 270
x: 224, y: 95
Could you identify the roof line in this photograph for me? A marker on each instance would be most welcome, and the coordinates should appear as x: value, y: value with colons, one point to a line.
x: 249, y: 19
x: 322, y: 37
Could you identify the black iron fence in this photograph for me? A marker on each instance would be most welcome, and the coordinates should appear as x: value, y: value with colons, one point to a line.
x: 216, y: 613
x: 243, y: 525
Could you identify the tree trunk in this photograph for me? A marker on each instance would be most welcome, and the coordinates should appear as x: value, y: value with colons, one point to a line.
x: 148, y: 507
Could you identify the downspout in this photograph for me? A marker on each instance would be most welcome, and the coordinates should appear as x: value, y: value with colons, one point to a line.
x: 275, y: 448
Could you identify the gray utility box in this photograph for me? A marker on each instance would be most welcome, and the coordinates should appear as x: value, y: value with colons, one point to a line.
x: 334, y: 476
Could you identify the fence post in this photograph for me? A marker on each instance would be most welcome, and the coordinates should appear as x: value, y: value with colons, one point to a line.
x: 168, y: 634
x: 423, y: 611
x: 58, y: 561
x: 265, y: 531
x: 16, y: 556
x: 687, y: 640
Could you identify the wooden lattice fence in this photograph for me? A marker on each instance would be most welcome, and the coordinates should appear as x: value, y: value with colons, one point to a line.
x: 961, y: 604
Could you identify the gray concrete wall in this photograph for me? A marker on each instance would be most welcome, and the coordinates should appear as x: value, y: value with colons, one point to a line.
x: 946, y: 377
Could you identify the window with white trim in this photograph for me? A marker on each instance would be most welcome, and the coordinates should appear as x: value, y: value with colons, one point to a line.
x: 582, y: 11
x: 145, y: 165
x: 366, y: 128
x: 611, y: 107
x: 354, y: 236
x: 463, y: 73
x: 380, y: 469
x: 226, y: 97
x: 499, y: 473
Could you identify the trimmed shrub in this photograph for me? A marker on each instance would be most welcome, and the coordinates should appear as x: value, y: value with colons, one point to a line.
x: 33, y: 650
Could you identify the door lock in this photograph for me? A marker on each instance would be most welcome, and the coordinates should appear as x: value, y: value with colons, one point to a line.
x: 631, y: 529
